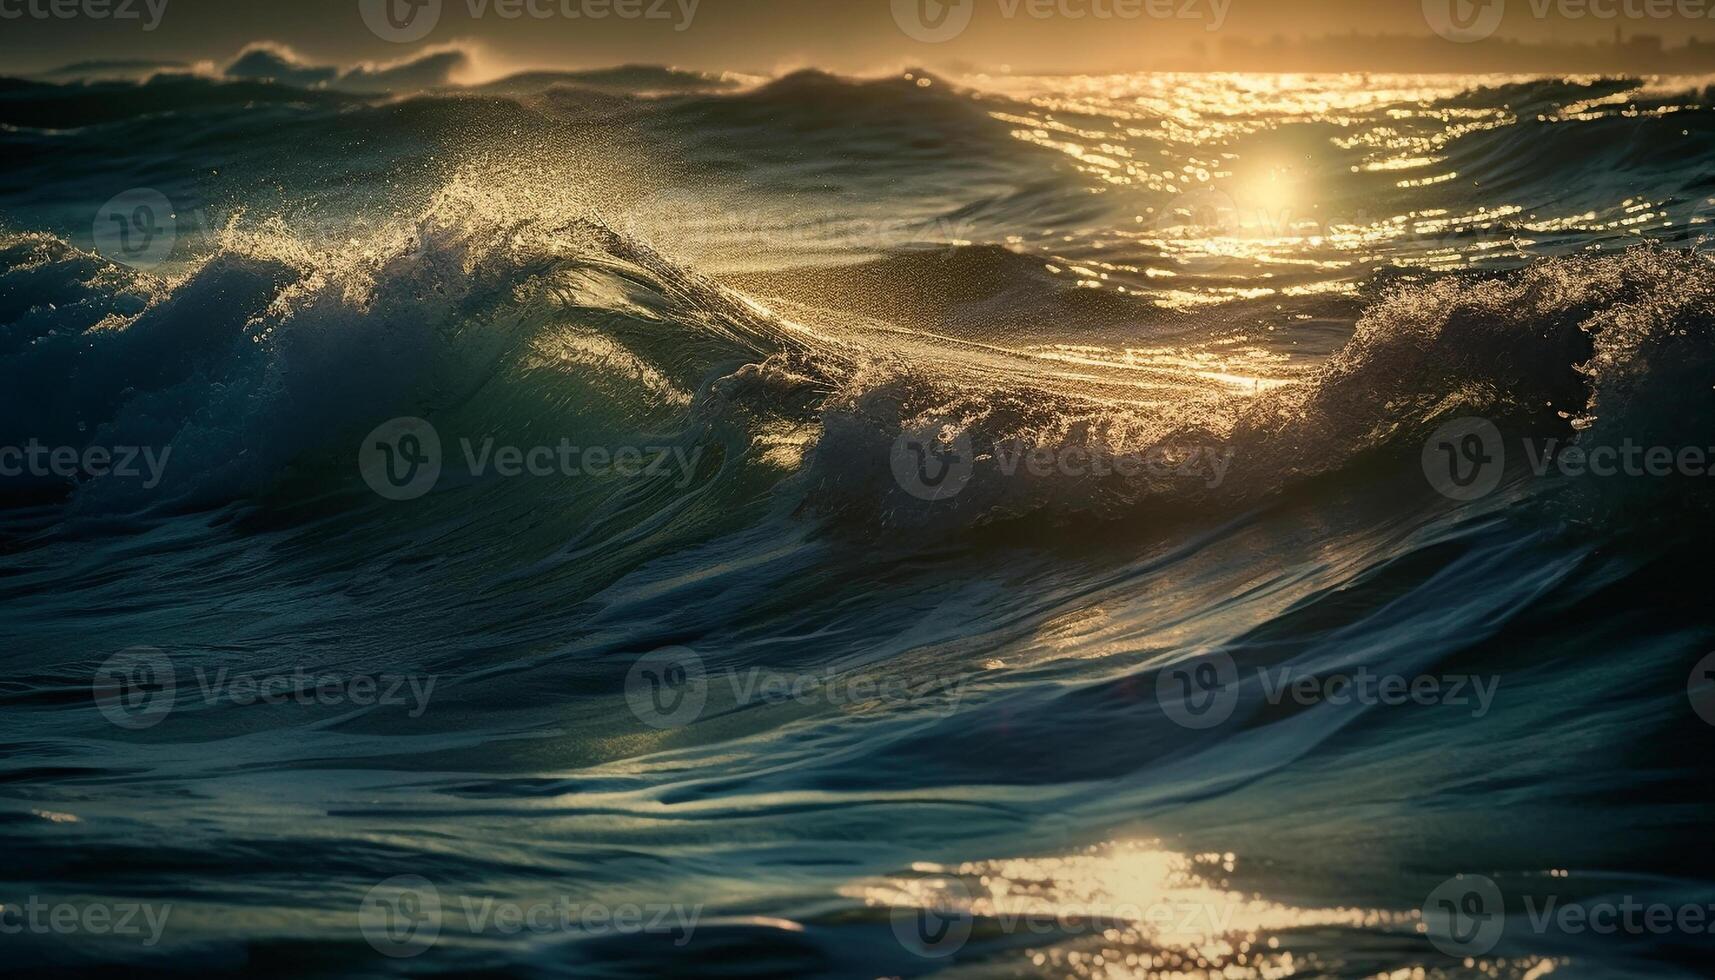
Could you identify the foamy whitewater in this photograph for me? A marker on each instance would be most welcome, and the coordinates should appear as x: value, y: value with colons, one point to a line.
x: 921, y: 696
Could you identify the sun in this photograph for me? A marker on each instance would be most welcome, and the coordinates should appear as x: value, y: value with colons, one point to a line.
x: 1271, y: 200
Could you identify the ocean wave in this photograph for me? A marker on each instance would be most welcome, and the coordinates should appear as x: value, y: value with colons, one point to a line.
x: 440, y: 67
x: 1559, y: 349
x: 251, y: 360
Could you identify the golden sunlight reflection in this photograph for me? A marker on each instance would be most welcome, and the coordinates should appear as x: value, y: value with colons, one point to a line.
x: 1227, y: 204
x: 1138, y: 910
x: 1125, y: 910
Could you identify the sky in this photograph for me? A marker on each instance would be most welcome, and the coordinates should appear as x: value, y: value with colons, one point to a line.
x: 768, y: 36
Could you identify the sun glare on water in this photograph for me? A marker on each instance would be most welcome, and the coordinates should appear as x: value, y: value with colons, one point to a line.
x: 1136, y: 910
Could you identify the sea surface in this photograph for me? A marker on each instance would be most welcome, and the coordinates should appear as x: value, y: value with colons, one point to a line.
x: 1002, y: 445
